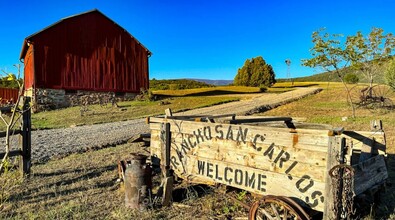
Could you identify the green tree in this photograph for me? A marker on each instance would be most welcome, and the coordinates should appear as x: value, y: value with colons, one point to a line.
x: 243, y: 77
x: 255, y: 72
x: 9, y: 80
x: 364, y: 54
x: 367, y: 53
x: 390, y: 74
x: 329, y: 53
x: 351, y: 78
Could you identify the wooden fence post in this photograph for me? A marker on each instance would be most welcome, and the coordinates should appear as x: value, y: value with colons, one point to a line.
x: 168, y: 176
x: 334, y: 148
x: 25, y: 158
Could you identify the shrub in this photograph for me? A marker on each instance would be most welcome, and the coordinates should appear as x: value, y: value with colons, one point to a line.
x: 145, y: 95
x: 176, y: 84
x: 351, y: 78
x: 262, y: 88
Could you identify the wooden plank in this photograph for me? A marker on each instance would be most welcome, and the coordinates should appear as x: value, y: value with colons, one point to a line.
x: 287, y: 121
x: 248, y: 153
x: 273, y: 152
x: 168, y: 112
x: 244, y: 133
x: 167, y: 146
x: 255, y: 180
x: 190, y: 126
x: 168, y: 177
x: 369, y: 174
x: 376, y: 125
x: 317, y: 154
x: 269, y: 157
x: 254, y: 120
x: 25, y: 160
x: 332, y: 160
x: 311, y: 152
x: 140, y: 138
x: 202, y: 116
x: 12, y: 153
x: 6, y: 109
x: 292, y: 168
x: 167, y: 191
x: 12, y: 132
x: 362, y: 140
x: 336, y: 131
x: 251, y: 143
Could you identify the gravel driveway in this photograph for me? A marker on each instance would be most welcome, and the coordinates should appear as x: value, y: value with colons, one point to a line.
x: 54, y: 143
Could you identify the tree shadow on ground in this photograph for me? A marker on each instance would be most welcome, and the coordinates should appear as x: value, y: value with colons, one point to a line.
x: 70, y: 182
x: 193, y: 191
x: 385, y: 204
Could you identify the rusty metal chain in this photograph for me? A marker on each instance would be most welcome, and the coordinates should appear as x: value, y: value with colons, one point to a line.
x: 342, y: 177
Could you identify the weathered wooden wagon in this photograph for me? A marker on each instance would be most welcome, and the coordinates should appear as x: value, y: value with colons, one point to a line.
x: 293, y: 168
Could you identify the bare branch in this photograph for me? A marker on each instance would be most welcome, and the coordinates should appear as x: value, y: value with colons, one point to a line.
x: 3, y: 119
x: 12, y: 120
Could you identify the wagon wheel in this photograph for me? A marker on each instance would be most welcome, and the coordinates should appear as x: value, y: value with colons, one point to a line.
x: 276, y: 207
x: 381, y: 100
x: 359, y: 95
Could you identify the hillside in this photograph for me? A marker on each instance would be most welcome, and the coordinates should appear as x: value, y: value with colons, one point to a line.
x: 320, y: 77
x: 176, y: 84
x: 218, y: 82
x: 332, y: 77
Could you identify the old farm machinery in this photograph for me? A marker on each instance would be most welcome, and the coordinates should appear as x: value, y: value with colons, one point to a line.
x: 377, y: 98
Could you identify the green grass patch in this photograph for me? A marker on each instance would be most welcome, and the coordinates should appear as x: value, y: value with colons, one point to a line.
x: 212, y: 91
x: 331, y: 104
x: 128, y: 110
x: 294, y: 84
x: 177, y: 100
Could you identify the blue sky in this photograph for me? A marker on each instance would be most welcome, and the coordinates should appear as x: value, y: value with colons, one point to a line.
x: 205, y: 38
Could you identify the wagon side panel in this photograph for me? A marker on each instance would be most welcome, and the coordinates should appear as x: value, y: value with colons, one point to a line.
x: 267, y: 161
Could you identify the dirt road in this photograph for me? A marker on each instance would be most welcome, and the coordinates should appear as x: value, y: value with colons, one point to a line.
x: 47, y: 144
x: 259, y: 103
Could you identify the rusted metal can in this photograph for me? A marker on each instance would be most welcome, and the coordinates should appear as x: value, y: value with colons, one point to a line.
x: 138, y: 183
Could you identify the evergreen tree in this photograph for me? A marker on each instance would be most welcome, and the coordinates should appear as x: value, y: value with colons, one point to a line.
x: 255, y: 72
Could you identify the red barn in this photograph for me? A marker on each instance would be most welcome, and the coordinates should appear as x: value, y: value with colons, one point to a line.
x: 83, y: 55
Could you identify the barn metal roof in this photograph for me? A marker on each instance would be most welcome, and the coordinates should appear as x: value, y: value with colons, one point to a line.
x: 28, y: 38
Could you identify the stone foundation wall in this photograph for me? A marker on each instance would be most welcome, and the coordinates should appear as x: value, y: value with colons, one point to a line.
x: 50, y: 99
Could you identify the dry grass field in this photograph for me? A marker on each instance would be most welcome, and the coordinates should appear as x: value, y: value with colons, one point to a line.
x: 330, y: 107
x: 85, y: 186
x: 177, y: 100
x: 127, y: 110
x: 209, y: 91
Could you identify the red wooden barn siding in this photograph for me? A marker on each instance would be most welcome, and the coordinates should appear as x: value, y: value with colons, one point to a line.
x: 89, y: 52
x: 29, y: 68
x: 6, y: 94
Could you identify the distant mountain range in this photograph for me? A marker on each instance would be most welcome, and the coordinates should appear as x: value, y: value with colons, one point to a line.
x: 320, y: 77
x: 218, y: 82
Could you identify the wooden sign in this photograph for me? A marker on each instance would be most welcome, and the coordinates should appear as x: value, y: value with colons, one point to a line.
x: 264, y: 160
